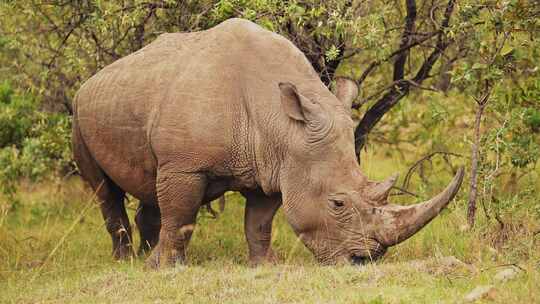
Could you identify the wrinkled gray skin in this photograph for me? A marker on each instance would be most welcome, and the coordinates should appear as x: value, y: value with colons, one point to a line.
x: 236, y: 107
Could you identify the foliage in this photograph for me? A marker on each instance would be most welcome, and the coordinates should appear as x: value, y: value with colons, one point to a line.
x: 33, y: 143
x: 499, y: 44
x: 517, y: 135
x: 65, y: 43
x: 434, y: 55
x: 502, y: 77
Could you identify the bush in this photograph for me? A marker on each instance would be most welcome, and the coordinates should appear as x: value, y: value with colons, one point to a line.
x: 33, y: 144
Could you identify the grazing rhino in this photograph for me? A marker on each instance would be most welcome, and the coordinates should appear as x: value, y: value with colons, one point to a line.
x: 235, y: 107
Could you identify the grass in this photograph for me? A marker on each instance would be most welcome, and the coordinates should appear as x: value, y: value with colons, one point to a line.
x: 54, y: 249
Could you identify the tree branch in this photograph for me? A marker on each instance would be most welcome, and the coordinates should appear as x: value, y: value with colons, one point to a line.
x: 402, y: 49
x: 406, y: 38
x: 402, y: 86
x: 81, y: 20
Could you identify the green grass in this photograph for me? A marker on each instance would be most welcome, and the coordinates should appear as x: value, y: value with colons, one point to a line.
x: 54, y: 249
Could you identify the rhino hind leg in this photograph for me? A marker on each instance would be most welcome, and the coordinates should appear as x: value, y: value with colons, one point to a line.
x: 259, y: 214
x: 148, y: 220
x: 180, y: 196
x: 116, y: 219
x: 110, y: 196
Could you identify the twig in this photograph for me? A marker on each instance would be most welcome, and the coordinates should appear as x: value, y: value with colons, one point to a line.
x: 64, y: 40
x: 404, y: 48
x: 505, y: 265
x: 485, y: 210
x: 404, y: 191
x: 69, y: 230
x: 499, y: 220
x: 69, y: 174
x: 496, y: 214
x: 407, y: 179
x: 213, y: 213
x: 417, y: 85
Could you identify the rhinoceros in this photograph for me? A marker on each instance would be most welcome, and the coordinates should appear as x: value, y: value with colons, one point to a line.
x: 235, y: 107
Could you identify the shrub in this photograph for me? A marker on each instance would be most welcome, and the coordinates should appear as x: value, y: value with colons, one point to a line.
x: 33, y: 144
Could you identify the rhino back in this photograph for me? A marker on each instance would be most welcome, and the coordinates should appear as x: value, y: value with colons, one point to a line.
x: 194, y: 99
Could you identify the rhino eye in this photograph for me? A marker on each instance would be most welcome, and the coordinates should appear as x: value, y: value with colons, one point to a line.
x: 336, y: 203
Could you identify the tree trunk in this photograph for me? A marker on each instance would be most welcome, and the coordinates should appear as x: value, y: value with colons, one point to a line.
x: 473, y: 193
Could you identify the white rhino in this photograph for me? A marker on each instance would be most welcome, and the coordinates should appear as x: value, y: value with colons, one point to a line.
x: 235, y: 107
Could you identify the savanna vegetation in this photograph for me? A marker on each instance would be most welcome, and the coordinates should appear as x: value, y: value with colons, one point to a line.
x: 442, y: 84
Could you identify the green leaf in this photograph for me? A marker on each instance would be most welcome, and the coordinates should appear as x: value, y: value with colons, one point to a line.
x: 479, y: 66
x: 506, y: 49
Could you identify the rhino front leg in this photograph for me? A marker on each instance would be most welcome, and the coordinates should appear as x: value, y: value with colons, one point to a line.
x: 149, y: 223
x: 260, y: 211
x: 179, y: 197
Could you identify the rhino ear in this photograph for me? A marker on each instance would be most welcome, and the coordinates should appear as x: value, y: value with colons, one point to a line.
x: 294, y: 104
x: 346, y: 91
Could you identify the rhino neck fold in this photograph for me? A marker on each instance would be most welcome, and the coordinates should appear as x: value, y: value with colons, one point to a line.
x: 266, y: 159
x: 254, y: 133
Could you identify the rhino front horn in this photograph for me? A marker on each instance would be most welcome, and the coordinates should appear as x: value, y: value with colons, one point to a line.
x: 401, y: 222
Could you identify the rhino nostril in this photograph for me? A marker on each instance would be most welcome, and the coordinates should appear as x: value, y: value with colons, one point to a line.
x: 359, y: 260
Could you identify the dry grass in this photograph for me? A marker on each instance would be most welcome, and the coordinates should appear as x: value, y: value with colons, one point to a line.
x: 54, y: 249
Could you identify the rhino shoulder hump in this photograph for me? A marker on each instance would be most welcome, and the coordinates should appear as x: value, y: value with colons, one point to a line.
x: 239, y: 23
x: 245, y: 29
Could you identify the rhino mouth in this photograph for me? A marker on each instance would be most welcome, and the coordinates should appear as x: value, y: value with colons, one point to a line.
x: 367, y: 251
x: 359, y: 260
x: 362, y: 259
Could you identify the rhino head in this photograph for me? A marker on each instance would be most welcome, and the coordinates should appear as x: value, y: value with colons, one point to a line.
x: 335, y: 210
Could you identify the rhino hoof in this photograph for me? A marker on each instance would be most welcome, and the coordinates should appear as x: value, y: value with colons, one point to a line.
x: 152, y: 262
x: 269, y: 258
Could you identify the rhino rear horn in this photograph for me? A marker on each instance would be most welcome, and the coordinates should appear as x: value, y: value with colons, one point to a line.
x: 380, y: 191
x: 401, y: 222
